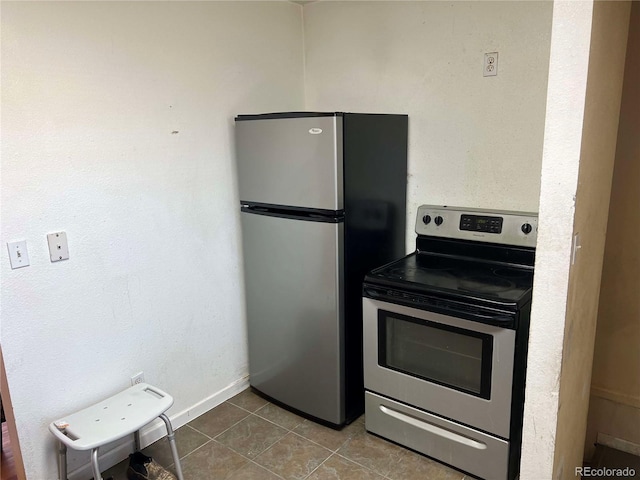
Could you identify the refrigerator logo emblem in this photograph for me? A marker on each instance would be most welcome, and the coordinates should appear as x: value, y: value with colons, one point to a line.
x: 315, y: 131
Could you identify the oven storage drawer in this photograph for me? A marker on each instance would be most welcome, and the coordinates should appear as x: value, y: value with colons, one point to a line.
x: 462, y: 447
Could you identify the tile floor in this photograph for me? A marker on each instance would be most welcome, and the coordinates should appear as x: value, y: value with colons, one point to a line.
x: 248, y: 438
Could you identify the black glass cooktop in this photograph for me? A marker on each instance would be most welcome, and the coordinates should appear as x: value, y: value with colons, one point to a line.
x: 428, y: 273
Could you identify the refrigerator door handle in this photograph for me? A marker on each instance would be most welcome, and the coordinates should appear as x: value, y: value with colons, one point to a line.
x: 309, y: 215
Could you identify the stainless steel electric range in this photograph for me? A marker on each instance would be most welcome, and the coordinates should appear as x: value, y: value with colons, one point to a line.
x: 445, y: 339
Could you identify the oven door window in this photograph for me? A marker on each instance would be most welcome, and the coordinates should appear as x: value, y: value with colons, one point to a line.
x: 442, y: 354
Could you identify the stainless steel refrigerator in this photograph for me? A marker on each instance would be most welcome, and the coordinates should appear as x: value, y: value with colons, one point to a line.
x: 322, y: 202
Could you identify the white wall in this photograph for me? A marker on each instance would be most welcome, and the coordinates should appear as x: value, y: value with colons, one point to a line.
x: 117, y: 123
x: 566, y: 93
x: 608, y: 35
x: 473, y: 141
x: 585, y: 83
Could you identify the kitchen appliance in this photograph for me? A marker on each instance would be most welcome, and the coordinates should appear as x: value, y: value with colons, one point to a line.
x: 445, y: 339
x: 322, y: 202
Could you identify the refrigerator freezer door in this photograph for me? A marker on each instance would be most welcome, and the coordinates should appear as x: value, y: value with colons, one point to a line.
x: 295, y: 162
x: 293, y: 278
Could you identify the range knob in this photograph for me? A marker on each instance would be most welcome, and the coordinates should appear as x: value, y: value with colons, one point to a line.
x: 526, y: 228
x: 438, y: 220
x: 426, y: 219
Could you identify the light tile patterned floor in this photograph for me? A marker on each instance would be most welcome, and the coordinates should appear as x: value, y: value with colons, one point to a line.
x: 248, y: 438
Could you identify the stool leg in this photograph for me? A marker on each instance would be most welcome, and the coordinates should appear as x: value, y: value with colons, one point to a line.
x: 136, y: 440
x: 94, y: 465
x: 62, y: 461
x: 172, y: 443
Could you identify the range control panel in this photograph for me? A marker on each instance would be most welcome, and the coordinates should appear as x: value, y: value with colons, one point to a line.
x: 481, y: 223
x: 493, y: 226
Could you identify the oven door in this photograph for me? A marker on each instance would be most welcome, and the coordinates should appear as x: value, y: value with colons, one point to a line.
x: 456, y: 368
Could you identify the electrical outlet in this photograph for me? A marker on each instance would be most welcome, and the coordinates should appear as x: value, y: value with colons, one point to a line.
x: 137, y: 378
x: 490, y: 68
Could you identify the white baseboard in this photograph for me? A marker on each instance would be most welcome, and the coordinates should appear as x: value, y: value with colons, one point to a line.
x: 156, y: 430
x: 624, y: 399
x: 618, y: 444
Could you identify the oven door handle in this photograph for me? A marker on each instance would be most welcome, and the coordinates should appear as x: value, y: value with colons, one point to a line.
x: 434, y: 429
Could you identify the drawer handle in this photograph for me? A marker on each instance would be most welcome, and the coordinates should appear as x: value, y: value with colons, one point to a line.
x: 419, y: 423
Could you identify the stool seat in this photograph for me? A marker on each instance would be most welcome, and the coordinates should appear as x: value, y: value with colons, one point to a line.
x: 111, y: 419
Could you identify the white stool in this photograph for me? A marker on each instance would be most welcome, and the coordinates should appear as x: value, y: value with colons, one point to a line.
x: 114, y: 418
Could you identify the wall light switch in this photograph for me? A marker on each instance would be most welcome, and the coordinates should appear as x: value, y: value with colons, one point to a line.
x: 18, y: 255
x: 575, y: 247
x: 58, y: 246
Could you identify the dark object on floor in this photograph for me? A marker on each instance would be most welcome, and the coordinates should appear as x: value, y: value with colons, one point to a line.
x: 142, y: 467
x: 606, y: 460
